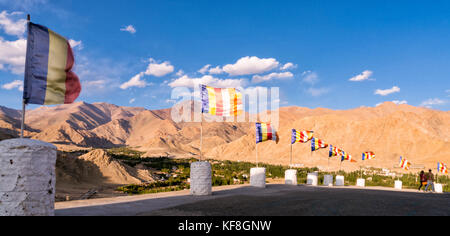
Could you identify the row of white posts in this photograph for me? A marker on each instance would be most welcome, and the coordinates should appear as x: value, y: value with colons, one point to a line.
x: 27, y: 178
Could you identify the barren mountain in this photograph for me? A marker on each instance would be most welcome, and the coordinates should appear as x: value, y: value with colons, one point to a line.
x: 421, y: 135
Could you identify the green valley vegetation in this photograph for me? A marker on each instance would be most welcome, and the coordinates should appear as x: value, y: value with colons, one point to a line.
x: 173, y: 174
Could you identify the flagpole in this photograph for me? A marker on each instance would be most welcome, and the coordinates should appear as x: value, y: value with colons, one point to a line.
x: 22, y: 125
x: 201, y: 138
x: 290, y: 165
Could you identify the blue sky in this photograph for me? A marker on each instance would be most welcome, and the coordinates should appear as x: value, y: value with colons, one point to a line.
x: 333, y: 54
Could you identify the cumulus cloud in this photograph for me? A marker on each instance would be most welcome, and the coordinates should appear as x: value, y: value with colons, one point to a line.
x: 11, y: 26
x: 259, y: 79
x: 159, y: 69
x: 310, y: 77
x: 216, y: 70
x: 15, y: 84
x: 186, y: 81
x: 204, y: 69
x: 316, y: 92
x: 132, y: 100
x: 386, y: 92
x: 136, y: 81
x: 12, y: 55
x: 130, y: 29
x: 288, y: 66
x: 432, y: 102
x: 365, y: 75
x: 251, y: 65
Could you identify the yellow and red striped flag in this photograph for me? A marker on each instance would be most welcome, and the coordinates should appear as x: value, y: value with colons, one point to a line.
x: 225, y: 102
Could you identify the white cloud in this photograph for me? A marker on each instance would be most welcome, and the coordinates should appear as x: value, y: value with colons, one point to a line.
x: 288, y: 66
x: 386, y: 92
x: 251, y: 65
x: 204, y: 69
x: 76, y: 44
x: 15, y: 84
x: 159, y: 70
x: 365, y: 75
x: 135, y: 82
x: 11, y: 27
x: 12, y: 54
x: 129, y: 28
x: 180, y: 73
x: 132, y: 100
x: 186, y: 81
x: 315, y: 92
x: 432, y: 102
x: 259, y: 79
x: 216, y: 70
x: 310, y: 77
x: 95, y: 83
x: 398, y: 102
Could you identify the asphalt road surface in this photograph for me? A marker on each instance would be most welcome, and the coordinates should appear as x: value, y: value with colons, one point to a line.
x: 275, y: 200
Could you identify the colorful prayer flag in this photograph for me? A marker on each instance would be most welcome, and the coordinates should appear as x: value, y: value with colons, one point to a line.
x: 405, y: 164
x: 334, y: 151
x: 301, y: 136
x: 442, y: 168
x: 49, y: 61
x: 368, y: 156
x: 317, y: 144
x: 265, y: 132
x: 221, y: 101
x: 347, y: 157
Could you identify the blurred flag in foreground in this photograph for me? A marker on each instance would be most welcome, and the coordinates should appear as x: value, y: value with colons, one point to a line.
x: 405, y: 164
x: 301, y: 136
x: 265, y: 132
x: 368, y: 156
x: 48, y: 68
x: 225, y: 102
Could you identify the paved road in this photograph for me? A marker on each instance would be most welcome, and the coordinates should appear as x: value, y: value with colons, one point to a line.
x: 275, y: 200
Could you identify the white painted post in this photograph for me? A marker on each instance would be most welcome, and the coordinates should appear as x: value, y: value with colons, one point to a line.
x: 328, y: 180
x: 398, y: 184
x: 258, y: 177
x: 290, y: 177
x: 200, y: 179
x: 340, y: 180
x: 361, y: 182
x: 312, y: 179
x: 27, y: 182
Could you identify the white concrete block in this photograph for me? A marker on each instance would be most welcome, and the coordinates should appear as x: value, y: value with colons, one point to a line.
x: 258, y: 177
x: 361, y: 182
x: 290, y: 177
x: 200, y: 179
x: 27, y: 182
x: 312, y: 179
x: 438, y: 188
x: 398, y: 184
x: 328, y: 180
x: 340, y: 180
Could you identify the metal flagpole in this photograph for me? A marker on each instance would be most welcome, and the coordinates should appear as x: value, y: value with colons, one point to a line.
x: 201, y: 138
x: 291, y: 155
x: 256, y: 148
x: 22, y: 125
